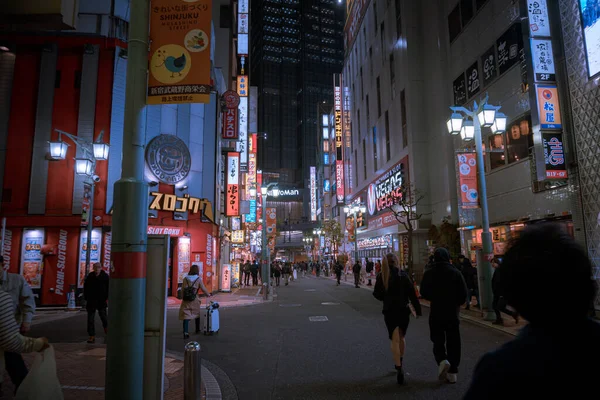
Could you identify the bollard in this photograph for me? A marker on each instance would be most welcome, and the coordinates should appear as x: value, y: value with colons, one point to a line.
x: 192, y: 372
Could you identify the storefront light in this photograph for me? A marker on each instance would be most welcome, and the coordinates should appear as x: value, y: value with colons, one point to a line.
x: 253, y: 191
x: 101, y: 151
x: 58, y: 150
x: 275, y: 192
x: 487, y: 115
x: 84, y: 166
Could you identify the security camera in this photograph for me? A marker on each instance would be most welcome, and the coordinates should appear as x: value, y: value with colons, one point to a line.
x: 96, y: 178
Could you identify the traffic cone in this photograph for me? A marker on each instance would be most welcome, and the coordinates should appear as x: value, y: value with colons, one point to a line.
x: 71, y: 302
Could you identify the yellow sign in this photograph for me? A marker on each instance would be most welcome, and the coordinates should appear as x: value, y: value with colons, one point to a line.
x: 242, y: 85
x: 237, y: 236
x: 172, y: 203
x: 180, y: 51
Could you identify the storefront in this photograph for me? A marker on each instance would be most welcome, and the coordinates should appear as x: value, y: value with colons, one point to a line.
x: 374, y: 248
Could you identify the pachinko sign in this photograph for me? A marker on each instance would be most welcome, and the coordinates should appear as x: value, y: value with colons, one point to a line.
x: 387, y: 190
x: 232, y: 197
x: 375, y: 242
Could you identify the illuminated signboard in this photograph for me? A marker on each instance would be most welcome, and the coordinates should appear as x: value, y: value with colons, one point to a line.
x: 232, y: 197
x: 230, y: 123
x: 375, y: 242
x: 251, y: 216
x: 242, y: 85
x: 386, y: 191
x: 339, y: 180
x: 554, y: 156
x: 242, y: 144
x: 237, y: 236
x: 313, y: 193
x: 326, y: 186
x: 338, y: 120
x: 172, y: 203
x: 590, y: 17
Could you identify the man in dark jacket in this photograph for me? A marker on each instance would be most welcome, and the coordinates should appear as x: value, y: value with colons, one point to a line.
x: 369, y: 269
x: 356, y: 270
x: 338, y: 268
x: 470, y: 274
x: 95, y: 293
x: 254, y: 272
x: 444, y: 286
x: 547, y: 277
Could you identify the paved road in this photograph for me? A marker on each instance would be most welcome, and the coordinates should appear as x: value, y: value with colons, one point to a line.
x: 273, y: 351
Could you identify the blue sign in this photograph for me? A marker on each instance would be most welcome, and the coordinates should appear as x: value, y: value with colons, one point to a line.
x: 326, y: 158
x: 252, y: 216
x: 326, y: 185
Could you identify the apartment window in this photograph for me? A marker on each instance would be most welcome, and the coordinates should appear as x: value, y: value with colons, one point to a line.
x: 398, y: 20
x: 387, y: 136
x: 375, y: 15
x: 371, y: 62
x: 511, y: 146
x: 375, y: 148
x: 362, y: 88
x: 364, y: 148
x: 378, y: 97
x: 368, y: 113
x: 403, y: 117
x: 392, y: 68
x: 383, y: 49
x: 454, y: 23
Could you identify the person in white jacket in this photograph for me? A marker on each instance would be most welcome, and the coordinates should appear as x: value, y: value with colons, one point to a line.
x: 11, y: 339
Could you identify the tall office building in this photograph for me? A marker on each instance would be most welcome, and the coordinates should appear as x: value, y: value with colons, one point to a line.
x: 297, y: 46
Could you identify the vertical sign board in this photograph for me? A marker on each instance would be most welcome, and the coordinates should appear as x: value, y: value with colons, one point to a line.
x: 180, y: 52
x: 467, y: 171
x: 548, y: 107
x: 271, y: 221
x: 94, y: 253
x: 230, y: 124
x: 242, y: 85
x: 232, y: 197
x: 347, y: 126
x: 313, y: 193
x: 539, y: 22
x: 31, y: 257
x: 339, y: 180
x: 253, y: 109
x: 242, y: 144
x: 226, y: 278
x: 85, y: 204
x: 543, y: 60
x: 554, y: 156
x: 338, y: 129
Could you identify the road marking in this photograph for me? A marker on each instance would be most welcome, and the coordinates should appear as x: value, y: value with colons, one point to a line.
x: 318, y: 318
x: 330, y: 303
x: 290, y: 305
x: 310, y: 290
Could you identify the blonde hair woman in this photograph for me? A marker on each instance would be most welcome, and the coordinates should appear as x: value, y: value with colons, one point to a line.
x: 395, y: 289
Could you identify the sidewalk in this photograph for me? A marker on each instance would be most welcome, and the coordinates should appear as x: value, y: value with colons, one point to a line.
x: 81, y: 372
x: 237, y: 298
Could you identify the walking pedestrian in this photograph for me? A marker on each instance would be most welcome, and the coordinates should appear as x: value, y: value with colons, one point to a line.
x: 11, y: 340
x: 547, y: 277
x: 286, y: 273
x: 369, y: 269
x: 338, y: 268
x: 254, y: 272
x: 190, y: 305
x: 444, y: 286
x: 95, y: 293
x: 499, y: 302
x: 356, y: 271
x: 23, y: 309
x: 277, y: 273
x: 247, y: 273
x: 469, y: 273
x: 395, y: 289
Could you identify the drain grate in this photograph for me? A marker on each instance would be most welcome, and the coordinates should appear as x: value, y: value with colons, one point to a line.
x: 318, y: 318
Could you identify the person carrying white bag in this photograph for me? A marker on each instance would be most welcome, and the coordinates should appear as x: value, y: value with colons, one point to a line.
x: 12, y: 340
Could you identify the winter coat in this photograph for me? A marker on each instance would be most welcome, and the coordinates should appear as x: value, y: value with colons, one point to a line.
x: 191, y: 309
x: 470, y: 274
x: 369, y: 267
x: 356, y: 268
x: 95, y: 290
x: 444, y: 286
x: 400, y: 292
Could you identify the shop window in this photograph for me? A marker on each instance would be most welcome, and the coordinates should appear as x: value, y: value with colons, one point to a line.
x: 519, y: 139
x: 454, y: 23
x: 496, y: 151
x: 466, y: 11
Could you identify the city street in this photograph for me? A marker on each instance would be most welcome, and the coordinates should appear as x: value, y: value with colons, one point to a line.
x: 274, y: 351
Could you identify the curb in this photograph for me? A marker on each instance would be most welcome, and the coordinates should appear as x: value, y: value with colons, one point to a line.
x: 211, y: 386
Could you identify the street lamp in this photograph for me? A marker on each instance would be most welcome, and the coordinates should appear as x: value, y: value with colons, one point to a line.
x: 485, y: 115
x: 265, y: 273
x: 84, y: 166
x: 354, y: 210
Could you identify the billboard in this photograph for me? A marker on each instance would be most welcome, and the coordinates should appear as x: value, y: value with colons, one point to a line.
x: 230, y: 124
x: 313, y: 193
x: 548, y: 107
x: 387, y: 190
x: 339, y: 180
x: 554, y: 156
x: 232, y: 197
x: 467, y: 171
x: 242, y: 144
x: 590, y: 21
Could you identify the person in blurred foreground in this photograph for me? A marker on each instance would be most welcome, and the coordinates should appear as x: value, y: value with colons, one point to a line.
x: 444, y: 286
x: 395, y: 289
x: 547, y: 277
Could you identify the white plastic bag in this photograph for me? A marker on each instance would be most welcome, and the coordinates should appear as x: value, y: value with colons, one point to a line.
x: 41, y: 383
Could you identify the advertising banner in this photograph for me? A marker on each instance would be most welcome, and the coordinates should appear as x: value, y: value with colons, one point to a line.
x: 242, y: 144
x: 230, y: 124
x: 237, y: 236
x: 271, y: 221
x: 179, y: 52
x: 96, y: 246
x: 539, y: 20
x: 85, y: 204
x: 242, y: 85
x: 350, y: 229
x: 548, y: 107
x: 467, y: 170
x: 386, y: 190
x: 31, y: 257
x: 107, y: 247
x: 183, y: 258
x: 375, y: 242
x: 313, y: 193
x: 339, y: 181
x: 226, y: 278
x: 554, y: 156
x: 232, y: 198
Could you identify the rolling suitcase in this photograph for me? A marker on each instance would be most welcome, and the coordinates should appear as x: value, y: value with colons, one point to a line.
x: 211, y: 319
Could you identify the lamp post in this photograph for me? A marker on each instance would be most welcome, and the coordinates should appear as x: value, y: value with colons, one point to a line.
x: 307, y: 246
x: 317, y: 232
x: 84, y: 166
x: 485, y: 115
x: 354, y: 209
x: 266, y: 275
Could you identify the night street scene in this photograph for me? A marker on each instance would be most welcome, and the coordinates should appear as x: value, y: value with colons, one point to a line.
x: 299, y: 199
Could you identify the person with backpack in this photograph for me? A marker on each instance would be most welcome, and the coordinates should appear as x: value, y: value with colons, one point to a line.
x: 369, y: 269
x: 190, y: 305
x: 395, y: 289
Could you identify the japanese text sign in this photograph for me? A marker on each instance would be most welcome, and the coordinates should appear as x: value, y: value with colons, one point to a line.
x: 179, y: 52
x: 543, y: 60
x: 554, y: 156
x: 467, y: 171
x: 339, y: 181
x: 539, y: 23
x: 230, y: 123
x: 242, y: 85
x: 548, y: 107
x: 232, y: 197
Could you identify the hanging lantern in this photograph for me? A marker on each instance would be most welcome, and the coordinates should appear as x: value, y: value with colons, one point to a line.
x: 84, y: 166
x: 58, y: 150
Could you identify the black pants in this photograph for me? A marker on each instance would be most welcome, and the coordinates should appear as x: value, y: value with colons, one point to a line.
x: 277, y: 279
x: 338, y: 276
x: 445, y: 335
x: 500, y: 306
x: 16, y: 368
x: 246, y: 278
x: 254, y: 279
x: 91, y: 327
x: 356, y: 278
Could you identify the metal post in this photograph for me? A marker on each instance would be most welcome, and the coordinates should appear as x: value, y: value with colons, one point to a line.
x: 192, y: 371
x: 355, y: 239
x: 265, y: 265
x: 90, y: 228
x: 125, y: 350
x: 484, y: 268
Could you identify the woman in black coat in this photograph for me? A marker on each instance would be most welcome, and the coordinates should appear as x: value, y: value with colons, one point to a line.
x: 396, y: 290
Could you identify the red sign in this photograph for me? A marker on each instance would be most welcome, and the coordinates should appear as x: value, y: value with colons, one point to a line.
x: 232, y: 197
x: 339, y: 180
x: 172, y: 231
x: 230, y: 123
x: 467, y: 171
x: 232, y: 99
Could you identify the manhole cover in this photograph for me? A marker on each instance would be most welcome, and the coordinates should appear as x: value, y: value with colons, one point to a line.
x: 310, y: 290
x: 290, y: 305
x: 329, y: 303
x: 318, y: 318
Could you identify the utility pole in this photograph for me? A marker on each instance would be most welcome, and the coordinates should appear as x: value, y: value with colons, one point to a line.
x: 125, y: 350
